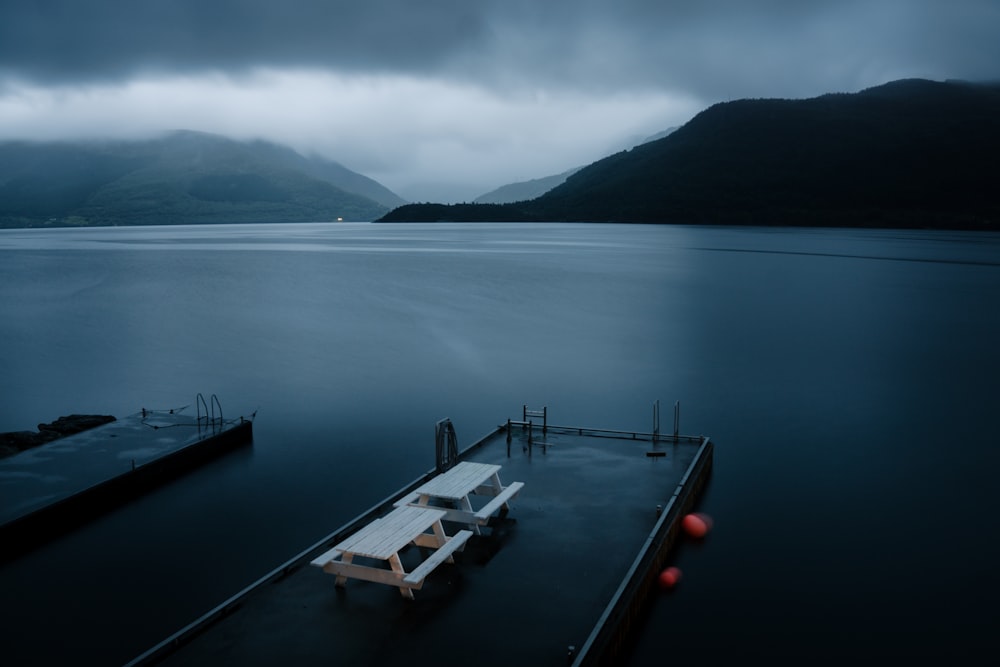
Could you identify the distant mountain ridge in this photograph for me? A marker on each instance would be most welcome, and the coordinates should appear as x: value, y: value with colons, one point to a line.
x: 910, y: 153
x: 182, y: 177
x: 524, y: 190
x: 536, y: 187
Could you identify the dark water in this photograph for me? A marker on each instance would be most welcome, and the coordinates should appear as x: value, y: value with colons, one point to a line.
x: 848, y: 378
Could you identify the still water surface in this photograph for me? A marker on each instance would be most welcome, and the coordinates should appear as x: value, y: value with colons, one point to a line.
x: 847, y: 377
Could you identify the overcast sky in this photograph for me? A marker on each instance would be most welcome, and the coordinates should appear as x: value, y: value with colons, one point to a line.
x: 445, y: 99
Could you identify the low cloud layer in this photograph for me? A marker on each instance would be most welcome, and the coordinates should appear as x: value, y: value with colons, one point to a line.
x: 467, y: 93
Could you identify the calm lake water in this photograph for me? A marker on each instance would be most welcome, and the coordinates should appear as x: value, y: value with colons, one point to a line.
x: 848, y: 378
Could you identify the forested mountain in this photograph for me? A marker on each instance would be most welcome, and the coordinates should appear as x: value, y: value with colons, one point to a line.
x: 911, y: 153
x: 181, y: 178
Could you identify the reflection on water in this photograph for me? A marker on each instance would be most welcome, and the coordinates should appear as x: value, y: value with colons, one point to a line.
x: 846, y: 377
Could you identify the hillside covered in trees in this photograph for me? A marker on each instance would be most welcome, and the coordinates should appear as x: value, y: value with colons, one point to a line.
x: 911, y: 153
x: 181, y: 178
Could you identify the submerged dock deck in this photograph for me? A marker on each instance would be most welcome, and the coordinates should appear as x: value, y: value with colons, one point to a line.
x: 49, y: 489
x: 558, y: 580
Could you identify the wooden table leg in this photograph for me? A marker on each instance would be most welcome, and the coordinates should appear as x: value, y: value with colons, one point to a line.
x: 342, y: 580
x: 466, y: 505
x: 397, y: 567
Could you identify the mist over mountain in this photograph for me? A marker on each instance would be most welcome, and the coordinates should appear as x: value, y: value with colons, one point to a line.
x: 183, y: 177
x: 524, y: 190
x: 910, y: 153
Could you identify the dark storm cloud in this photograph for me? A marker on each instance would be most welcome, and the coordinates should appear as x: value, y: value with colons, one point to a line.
x: 447, y: 99
x: 65, y: 40
x: 710, y: 48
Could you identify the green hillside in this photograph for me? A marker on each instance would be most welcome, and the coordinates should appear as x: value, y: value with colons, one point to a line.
x: 181, y: 178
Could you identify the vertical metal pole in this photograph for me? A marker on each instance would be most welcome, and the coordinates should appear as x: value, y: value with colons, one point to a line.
x: 677, y: 418
x: 656, y: 419
x: 216, y: 399
x: 199, y: 401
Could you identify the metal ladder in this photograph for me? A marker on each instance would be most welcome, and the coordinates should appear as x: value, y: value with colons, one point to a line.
x: 210, y: 420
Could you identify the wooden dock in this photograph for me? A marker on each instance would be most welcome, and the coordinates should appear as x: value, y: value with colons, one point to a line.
x: 54, y: 487
x: 560, y: 578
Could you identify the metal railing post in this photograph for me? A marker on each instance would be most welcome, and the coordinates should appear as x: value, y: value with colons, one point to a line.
x: 215, y: 402
x: 199, y: 401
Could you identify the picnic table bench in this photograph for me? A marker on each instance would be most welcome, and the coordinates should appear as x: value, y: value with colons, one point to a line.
x: 383, y: 539
x: 451, y: 491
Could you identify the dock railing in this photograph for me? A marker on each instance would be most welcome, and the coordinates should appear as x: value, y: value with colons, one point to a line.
x: 543, y: 413
x: 656, y: 418
x: 528, y: 425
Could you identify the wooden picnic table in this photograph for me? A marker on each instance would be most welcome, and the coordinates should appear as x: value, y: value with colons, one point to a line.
x: 383, y: 539
x: 451, y: 491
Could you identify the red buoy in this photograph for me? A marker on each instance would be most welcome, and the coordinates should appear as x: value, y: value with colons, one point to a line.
x: 696, y: 524
x: 669, y: 577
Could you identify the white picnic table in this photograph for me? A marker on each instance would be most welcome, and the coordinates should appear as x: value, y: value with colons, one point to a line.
x: 383, y: 539
x: 451, y: 490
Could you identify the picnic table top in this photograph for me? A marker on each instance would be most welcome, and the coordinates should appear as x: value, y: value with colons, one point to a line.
x: 459, y: 481
x: 386, y: 536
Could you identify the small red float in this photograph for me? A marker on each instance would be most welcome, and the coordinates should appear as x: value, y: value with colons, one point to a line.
x: 696, y: 524
x: 669, y: 577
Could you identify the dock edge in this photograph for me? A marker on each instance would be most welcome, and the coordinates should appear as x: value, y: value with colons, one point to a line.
x: 609, y: 639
